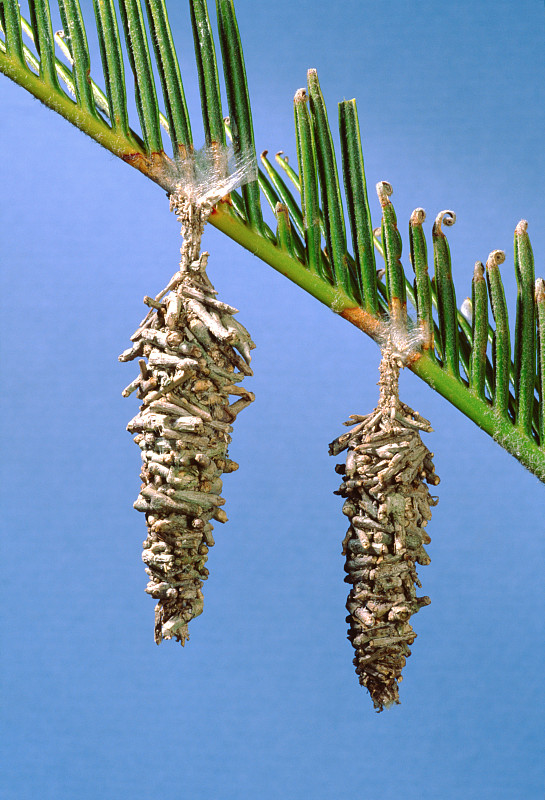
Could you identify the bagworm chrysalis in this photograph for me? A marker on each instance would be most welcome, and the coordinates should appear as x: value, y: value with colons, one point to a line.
x: 193, y: 355
x: 388, y: 505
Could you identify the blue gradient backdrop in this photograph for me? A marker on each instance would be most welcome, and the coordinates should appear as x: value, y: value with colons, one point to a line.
x: 263, y: 701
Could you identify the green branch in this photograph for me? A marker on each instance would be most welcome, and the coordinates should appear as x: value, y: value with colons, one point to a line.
x: 482, y: 414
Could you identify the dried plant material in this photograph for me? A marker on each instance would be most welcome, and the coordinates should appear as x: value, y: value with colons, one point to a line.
x: 388, y: 505
x: 193, y: 354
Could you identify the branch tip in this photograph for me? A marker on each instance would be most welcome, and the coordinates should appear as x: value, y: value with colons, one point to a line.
x: 478, y: 271
x: 447, y: 218
x: 384, y: 191
x: 495, y: 258
x: 418, y: 216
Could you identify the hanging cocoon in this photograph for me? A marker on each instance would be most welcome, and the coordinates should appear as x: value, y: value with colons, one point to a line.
x: 388, y: 505
x: 193, y: 354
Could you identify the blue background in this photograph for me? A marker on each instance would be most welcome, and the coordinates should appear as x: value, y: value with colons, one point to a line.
x: 263, y: 701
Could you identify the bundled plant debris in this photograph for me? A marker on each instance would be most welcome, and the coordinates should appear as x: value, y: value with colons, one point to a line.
x: 193, y: 354
x: 388, y: 505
